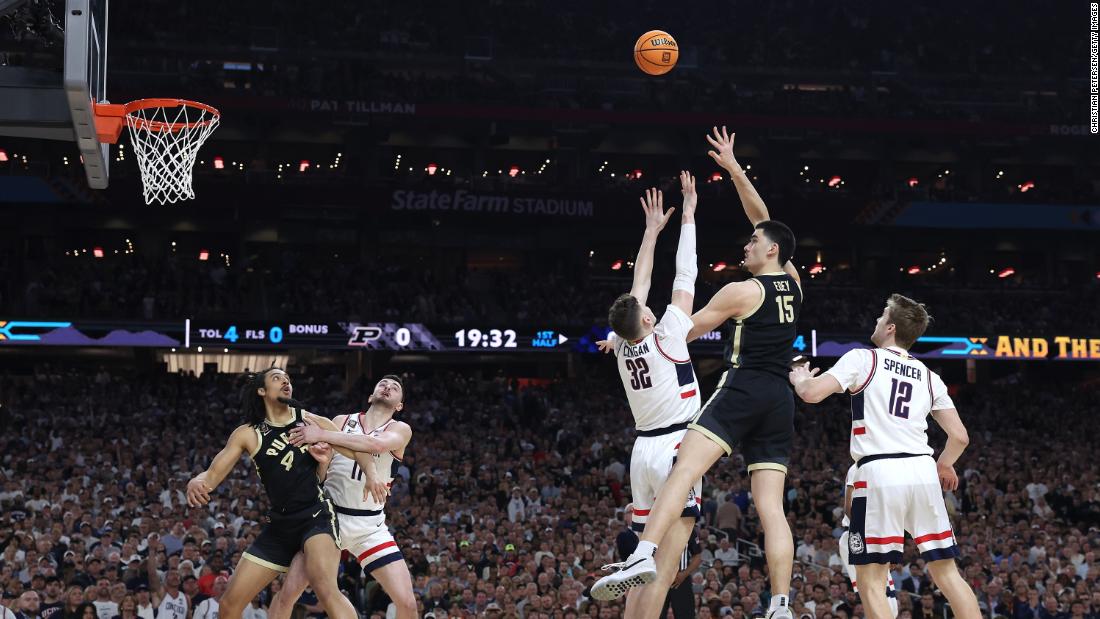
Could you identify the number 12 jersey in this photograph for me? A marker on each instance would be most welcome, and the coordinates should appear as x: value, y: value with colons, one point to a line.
x: 892, y: 396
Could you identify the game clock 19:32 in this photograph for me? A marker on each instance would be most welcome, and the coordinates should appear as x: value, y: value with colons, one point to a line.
x: 490, y: 338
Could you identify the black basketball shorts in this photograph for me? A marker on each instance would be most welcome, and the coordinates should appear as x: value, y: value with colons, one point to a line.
x: 754, y: 410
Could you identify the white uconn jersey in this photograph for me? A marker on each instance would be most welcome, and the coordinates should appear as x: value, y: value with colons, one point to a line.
x: 657, y: 374
x: 346, y: 480
x: 892, y: 395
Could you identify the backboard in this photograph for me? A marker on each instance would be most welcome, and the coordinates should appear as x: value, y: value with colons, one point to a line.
x: 52, y: 96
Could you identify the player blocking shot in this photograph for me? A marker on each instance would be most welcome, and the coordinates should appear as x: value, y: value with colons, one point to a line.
x: 897, y: 486
x: 301, y: 518
x: 891, y: 591
x: 369, y: 448
x: 656, y: 372
x: 752, y: 406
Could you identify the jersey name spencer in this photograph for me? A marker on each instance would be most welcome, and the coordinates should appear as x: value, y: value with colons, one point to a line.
x: 346, y: 481
x: 892, y: 395
x: 657, y: 374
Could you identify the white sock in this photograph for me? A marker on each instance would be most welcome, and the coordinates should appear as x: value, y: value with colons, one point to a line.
x: 777, y: 601
x: 645, y: 549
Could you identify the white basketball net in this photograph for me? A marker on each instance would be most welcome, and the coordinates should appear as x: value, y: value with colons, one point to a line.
x: 166, y: 141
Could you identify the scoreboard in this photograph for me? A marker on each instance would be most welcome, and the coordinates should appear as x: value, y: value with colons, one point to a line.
x: 486, y: 338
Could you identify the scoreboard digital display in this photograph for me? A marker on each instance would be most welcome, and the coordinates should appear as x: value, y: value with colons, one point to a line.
x: 484, y: 338
x: 372, y: 336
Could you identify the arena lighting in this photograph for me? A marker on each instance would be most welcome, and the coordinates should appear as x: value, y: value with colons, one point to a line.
x: 1027, y: 186
x: 3, y: 155
x: 719, y: 267
x: 717, y: 176
x: 817, y: 268
x: 1098, y: 275
x: 432, y: 169
x: 913, y: 181
x: 303, y: 165
x: 204, y: 255
x: 219, y: 163
x: 1008, y: 272
x: 636, y: 174
x: 834, y: 182
x: 513, y: 171
x: 913, y: 270
x: 97, y: 252
x: 615, y: 266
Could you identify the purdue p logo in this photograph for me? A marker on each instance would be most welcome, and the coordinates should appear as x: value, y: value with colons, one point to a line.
x: 361, y: 336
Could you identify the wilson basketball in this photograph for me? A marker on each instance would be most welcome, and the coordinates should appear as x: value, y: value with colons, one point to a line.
x: 656, y: 52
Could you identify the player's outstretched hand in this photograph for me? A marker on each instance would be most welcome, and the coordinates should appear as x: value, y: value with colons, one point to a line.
x: 653, y: 204
x: 949, y: 480
x: 687, y: 188
x: 306, y: 433
x: 321, y: 452
x: 723, y: 150
x: 802, y: 372
x: 198, y: 493
x: 605, y: 346
x: 377, y: 489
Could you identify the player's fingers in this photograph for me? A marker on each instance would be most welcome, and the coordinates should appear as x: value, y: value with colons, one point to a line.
x: 725, y: 134
x: 714, y: 142
x: 714, y: 155
x: 814, y: 371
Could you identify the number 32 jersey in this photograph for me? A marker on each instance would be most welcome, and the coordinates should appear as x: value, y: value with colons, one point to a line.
x: 892, y: 396
x: 657, y: 374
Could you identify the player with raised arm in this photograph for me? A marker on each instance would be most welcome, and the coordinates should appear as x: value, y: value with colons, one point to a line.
x: 660, y: 384
x: 369, y: 448
x: 891, y: 592
x: 897, y: 488
x: 168, y: 600
x: 301, y: 517
x: 752, y: 404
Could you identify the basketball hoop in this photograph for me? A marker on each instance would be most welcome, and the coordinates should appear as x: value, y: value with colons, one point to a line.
x: 166, y: 135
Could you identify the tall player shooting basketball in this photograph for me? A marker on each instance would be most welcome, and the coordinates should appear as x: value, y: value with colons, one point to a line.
x: 897, y: 484
x: 369, y: 447
x: 660, y: 385
x: 301, y: 517
x: 752, y: 405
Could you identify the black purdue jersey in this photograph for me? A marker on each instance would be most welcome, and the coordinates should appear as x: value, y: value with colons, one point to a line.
x: 764, y: 340
x: 288, y: 473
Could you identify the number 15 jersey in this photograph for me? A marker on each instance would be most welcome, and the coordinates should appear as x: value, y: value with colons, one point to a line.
x: 657, y: 374
x: 892, y: 396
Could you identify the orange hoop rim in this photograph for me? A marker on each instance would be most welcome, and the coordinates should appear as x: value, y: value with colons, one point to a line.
x: 109, y: 117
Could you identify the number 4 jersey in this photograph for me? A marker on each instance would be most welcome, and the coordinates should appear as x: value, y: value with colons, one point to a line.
x: 657, y: 374
x: 892, y: 395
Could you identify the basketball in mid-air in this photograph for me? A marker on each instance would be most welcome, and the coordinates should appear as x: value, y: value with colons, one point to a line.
x: 656, y: 52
